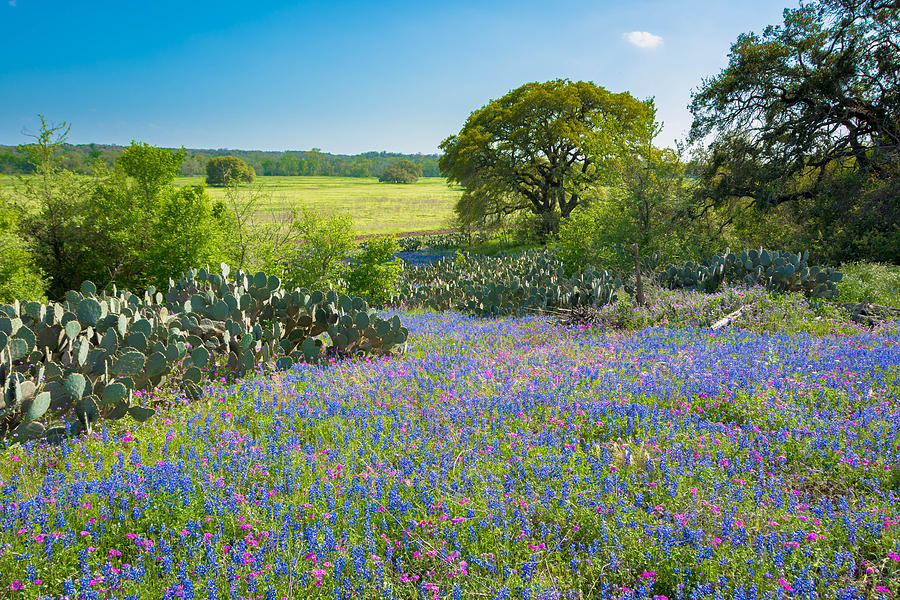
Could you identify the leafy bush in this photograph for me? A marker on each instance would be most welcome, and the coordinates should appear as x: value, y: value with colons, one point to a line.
x: 140, y: 229
x: 225, y: 170
x: 19, y: 276
x: 376, y: 275
x: 402, y: 171
x: 130, y: 226
x: 875, y: 283
x: 591, y: 236
x: 319, y: 260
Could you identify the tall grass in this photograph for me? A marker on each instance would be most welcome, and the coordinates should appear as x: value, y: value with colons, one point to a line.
x: 870, y: 282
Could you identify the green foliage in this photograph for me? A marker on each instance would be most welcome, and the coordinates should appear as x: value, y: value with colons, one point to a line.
x: 82, y: 158
x: 376, y: 275
x: 226, y: 170
x: 20, y: 278
x: 151, y: 168
x: 870, y: 282
x: 82, y: 358
x: 594, y: 235
x: 318, y: 261
x: 138, y: 240
x: 806, y: 115
x: 130, y: 226
x: 542, y: 147
x: 402, y: 171
x: 51, y: 208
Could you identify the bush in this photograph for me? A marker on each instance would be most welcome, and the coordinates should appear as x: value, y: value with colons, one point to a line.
x: 402, y: 171
x: 319, y: 260
x: 376, y: 275
x: 591, y: 236
x: 20, y: 279
x: 131, y: 226
x: 140, y: 229
x: 226, y: 170
x: 870, y: 282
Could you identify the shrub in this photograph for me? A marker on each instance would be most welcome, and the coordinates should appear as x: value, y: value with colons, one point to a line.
x: 319, y: 259
x: 402, y: 171
x: 376, y: 275
x: 225, y: 170
x: 591, y: 235
x: 870, y: 282
x: 19, y: 276
x: 140, y: 229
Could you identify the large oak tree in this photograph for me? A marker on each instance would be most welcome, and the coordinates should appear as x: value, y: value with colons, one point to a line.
x: 542, y: 147
x: 806, y: 100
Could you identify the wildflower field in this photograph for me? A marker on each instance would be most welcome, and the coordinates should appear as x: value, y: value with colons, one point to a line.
x: 495, y: 459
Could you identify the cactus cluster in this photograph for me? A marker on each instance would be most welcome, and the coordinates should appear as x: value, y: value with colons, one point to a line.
x: 530, y: 282
x: 84, y: 357
x: 775, y: 270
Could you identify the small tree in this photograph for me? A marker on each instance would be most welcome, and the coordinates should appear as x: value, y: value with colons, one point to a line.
x: 402, y: 171
x: 52, y: 205
x: 318, y: 261
x: 152, y: 168
x: 225, y: 170
x: 250, y: 243
x: 376, y: 275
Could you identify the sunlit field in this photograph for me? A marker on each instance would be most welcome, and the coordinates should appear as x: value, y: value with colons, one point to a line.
x: 375, y: 207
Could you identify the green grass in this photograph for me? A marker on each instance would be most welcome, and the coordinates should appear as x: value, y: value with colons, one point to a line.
x: 870, y: 282
x: 375, y: 207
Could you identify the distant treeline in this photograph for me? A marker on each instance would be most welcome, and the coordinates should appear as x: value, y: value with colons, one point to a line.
x: 82, y: 158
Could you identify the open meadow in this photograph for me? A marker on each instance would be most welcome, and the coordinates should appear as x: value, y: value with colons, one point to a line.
x: 375, y: 207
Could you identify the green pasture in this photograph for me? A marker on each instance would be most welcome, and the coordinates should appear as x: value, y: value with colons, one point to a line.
x: 375, y: 207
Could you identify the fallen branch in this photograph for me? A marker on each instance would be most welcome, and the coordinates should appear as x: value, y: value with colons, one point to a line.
x: 728, y: 319
x: 869, y: 314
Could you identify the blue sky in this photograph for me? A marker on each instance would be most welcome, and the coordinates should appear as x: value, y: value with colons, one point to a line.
x: 345, y: 77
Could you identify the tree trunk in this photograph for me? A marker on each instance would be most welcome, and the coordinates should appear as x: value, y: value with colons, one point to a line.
x: 639, y: 285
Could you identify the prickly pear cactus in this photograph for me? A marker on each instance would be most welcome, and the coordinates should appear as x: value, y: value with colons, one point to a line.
x: 83, y: 358
x: 527, y: 283
x: 775, y: 270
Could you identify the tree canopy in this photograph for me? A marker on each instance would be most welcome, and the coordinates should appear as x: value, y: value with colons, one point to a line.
x: 541, y: 148
x: 226, y: 170
x: 401, y: 171
x: 817, y: 94
x: 152, y: 168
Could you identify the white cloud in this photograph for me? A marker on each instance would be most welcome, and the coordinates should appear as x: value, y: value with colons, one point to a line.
x: 643, y: 39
